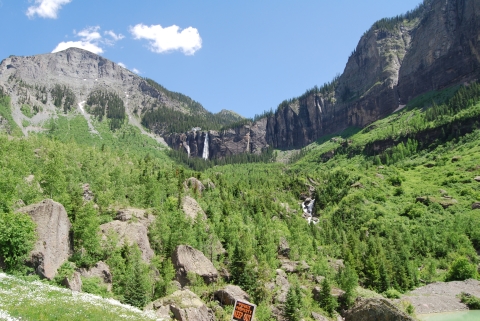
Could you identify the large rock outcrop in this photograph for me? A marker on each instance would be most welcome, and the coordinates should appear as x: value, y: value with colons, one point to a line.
x: 376, y: 309
x: 186, y: 260
x: 228, y: 294
x: 184, y: 305
x: 192, y: 209
x: 131, y: 232
x: 53, y: 246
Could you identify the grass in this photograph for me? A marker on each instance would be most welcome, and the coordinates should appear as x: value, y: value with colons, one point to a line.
x: 24, y: 300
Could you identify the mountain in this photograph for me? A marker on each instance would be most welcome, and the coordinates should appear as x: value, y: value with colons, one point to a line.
x: 41, y: 86
x: 432, y: 47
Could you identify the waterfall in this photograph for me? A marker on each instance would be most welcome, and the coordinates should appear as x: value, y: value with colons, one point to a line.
x: 205, y: 147
x: 187, y: 147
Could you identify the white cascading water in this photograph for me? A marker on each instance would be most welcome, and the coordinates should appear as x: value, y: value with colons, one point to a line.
x: 187, y: 147
x: 205, y: 147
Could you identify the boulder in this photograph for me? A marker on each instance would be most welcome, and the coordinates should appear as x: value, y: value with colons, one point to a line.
x: 192, y: 209
x: 74, y: 283
x: 100, y: 270
x: 476, y: 206
x: 135, y: 215
x: 186, y: 260
x: 194, y: 184
x: 375, y: 309
x: 477, y: 178
x: 294, y: 266
x: 185, y: 305
x: 53, y: 245
x: 132, y: 233
x: 230, y: 293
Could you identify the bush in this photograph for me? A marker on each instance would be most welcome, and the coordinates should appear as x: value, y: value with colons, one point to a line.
x: 471, y: 301
x: 391, y: 293
x: 94, y: 285
x: 17, y: 237
x: 66, y: 270
x: 461, y: 269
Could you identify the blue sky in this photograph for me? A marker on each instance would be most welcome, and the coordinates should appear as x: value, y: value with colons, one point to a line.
x: 246, y: 56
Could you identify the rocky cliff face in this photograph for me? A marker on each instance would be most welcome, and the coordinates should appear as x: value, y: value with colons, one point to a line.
x: 436, y: 47
x: 244, y: 139
x: 445, y: 49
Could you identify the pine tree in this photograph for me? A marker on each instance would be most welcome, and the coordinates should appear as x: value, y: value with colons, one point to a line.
x: 293, y: 304
x: 327, y: 301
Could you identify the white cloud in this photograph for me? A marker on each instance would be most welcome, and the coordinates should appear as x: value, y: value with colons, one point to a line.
x: 135, y: 70
x: 90, y: 39
x: 46, y: 8
x: 169, y: 39
x: 121, y: 64
x: 114, y: 36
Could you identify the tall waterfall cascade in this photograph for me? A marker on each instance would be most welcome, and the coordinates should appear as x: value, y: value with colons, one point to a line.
x: 205, y: 147
x: 187, y: 148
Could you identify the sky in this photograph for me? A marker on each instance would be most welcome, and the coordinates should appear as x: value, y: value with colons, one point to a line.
x: 246, y: 56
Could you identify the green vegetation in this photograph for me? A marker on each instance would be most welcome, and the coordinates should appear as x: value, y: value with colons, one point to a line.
x: 17, y: 237
x: 5, y: 112
x: 63, y: 97
x: 393, y: 204
x: 471, y: 301
x: 199, y: 164
x: 107, y: 104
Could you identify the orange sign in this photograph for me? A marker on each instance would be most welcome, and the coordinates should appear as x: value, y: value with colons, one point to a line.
x: 243, y: 311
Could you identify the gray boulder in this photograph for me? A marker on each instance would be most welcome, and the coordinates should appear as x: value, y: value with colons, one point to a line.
x: 192, y: 209
x: 230, y: 293
x: 74, y: 283
x: 53, y: 246
x: 185, y: 305
x: 131, y: 233
x: 476, y: 206
x: 375, y: 309
x: 194, y: 184
x: 186, y: 260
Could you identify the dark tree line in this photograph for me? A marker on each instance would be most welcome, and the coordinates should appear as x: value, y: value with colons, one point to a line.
x: 62, y: 96
x: 107, y: 104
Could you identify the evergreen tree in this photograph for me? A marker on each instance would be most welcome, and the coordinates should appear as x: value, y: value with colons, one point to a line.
x: 327, y: 301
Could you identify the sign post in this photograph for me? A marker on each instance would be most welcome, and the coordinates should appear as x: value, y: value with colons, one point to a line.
x: 243, y: 311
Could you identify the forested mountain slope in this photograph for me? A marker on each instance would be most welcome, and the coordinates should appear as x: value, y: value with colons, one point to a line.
x: 395, y: 209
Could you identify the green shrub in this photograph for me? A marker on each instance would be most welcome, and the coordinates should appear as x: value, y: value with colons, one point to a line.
x: 94, y: 285
x: 66, y: 270
x: 471, y: 301
x: 17, y: 237
x: 391, y: 293
x: 461, y: 269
